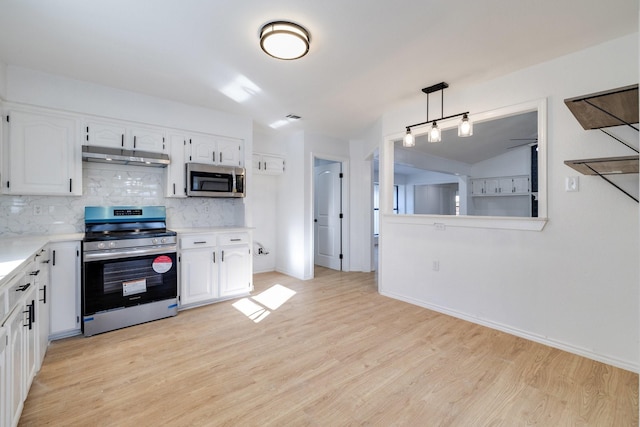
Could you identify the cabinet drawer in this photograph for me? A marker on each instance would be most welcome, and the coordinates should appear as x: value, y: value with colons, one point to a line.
x: 198, y: 241
x: 233, y: 238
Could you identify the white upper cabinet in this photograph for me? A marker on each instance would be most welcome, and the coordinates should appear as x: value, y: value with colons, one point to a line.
x: 104, y: 134
x: 503, y: 186
x: 175, y: 176
x: 117, y: 134
x: 43, y: 156
x: 230, y: 152
x: 267, y: 164
x: 215, y: 150
x: 148, y: 139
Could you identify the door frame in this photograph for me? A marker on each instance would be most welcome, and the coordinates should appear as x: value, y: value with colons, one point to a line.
x: 345, y: 209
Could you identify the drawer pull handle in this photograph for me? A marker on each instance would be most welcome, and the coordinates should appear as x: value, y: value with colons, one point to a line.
x: 236, y: 240
x: 23, y: 287
x: 199, y: 243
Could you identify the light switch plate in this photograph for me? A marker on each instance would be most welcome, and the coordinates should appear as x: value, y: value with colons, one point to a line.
x: 572, y: 183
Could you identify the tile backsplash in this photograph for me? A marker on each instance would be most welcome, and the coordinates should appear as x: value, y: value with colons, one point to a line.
x: 113, y: 185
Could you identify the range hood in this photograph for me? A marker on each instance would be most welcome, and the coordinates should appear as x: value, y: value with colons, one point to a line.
x: 118, y: 156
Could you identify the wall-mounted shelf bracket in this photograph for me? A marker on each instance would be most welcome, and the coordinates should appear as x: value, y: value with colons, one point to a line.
x: 607, y: 166
x: 614, y: 107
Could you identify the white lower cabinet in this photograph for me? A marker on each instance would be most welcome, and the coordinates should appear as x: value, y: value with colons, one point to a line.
x: 30, y: 324
x: 20, y: 353
x: 214, y: 266
x: 43, y: 302
x: 64, y: 288
x: 16, y: 365
x: 235, y: 265
x: 198, y: 269
x: 25, y: 302
x: 4, y: 377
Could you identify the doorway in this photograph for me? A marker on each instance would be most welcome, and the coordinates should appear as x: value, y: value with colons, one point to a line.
x: 328, y: 213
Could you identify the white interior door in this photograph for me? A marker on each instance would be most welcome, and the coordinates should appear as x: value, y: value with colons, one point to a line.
x: 327, y: 211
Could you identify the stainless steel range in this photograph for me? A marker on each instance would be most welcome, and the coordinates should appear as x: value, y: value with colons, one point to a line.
x: 129, y: 270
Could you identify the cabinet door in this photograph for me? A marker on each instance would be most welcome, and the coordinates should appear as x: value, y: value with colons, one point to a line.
x: 4, y: 378
x: 256, y: 162
x: 203, y: 149
x: 267, y: 164
x: 30, y: 325
x: 105, y: 134
x: 65, y: 288
x: 491, y: 186
x: 273, y: 165
x: 44, y: 303
x: 229, y: 152
x: 235, y: 270
x: 477, y: 187
x: 521, y: 185
x: 175, y: 175
x: 16, y: 365
x: 505, y: 186
x: 148, y: 139
x: 44, y: 158
x: 198, y: 275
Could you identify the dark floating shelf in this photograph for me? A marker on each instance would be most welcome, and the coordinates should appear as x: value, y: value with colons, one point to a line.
x: 616, y: 107
x: 605, y: 109
x: 605, y: 165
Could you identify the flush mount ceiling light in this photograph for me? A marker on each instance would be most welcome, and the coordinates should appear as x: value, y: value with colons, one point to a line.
x: 284, y: 40
x: 465, y: 127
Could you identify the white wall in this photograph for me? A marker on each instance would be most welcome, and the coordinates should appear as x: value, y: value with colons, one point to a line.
x: 264, y: 194
x: 291, y: 256
x: 573, y: 285
x: 362, y: 177
x: 3, y: 81
x: 295, y: 202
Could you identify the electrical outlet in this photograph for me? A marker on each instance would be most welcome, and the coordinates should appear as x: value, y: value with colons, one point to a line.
x: 37, y: 210
x: 436, y: 266
x: 439, y: 226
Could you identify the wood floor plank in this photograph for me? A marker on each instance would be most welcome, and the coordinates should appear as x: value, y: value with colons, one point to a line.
x: 335, y: 353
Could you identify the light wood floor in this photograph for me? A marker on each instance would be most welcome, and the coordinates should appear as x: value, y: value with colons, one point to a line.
x: 336, y: 353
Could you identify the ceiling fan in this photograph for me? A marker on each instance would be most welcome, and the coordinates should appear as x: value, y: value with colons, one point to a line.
x: 531, y: 141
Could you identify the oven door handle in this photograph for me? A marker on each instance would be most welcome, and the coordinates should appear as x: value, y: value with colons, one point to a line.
x: 129, y: 252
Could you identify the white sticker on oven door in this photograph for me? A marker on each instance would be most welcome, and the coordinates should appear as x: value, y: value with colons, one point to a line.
x: 134, y: 287
x: 162, y: 264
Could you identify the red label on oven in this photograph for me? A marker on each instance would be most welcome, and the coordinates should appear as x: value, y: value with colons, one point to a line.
x: 162, y: 264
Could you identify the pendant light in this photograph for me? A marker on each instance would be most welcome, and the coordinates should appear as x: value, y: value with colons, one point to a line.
x: 465, y: 126
x: 409, y: 140
x: 434, y: 135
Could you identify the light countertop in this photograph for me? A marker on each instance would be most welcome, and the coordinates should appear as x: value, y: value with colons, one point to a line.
x: 210, y: 230
x: 16, y: 251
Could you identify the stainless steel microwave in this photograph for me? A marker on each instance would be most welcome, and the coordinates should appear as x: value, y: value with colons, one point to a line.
x: 215, y: 181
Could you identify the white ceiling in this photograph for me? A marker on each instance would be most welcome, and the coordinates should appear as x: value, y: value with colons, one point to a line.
x: 365, y: 56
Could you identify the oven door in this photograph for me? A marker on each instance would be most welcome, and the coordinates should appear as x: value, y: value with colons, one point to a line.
x: 128, y: 278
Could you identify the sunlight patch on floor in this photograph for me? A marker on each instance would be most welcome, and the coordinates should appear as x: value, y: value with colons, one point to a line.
x: 272, y: 299
x: 275, y: 296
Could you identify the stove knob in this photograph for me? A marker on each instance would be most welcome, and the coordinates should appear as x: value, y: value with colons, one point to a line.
x: 164, y: 240
x: 112, y: 244
x: 101, y: 245
x: 154, y: 241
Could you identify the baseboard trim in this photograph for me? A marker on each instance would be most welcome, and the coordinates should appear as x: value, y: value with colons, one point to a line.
x: 622, y: 364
